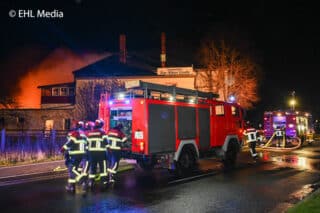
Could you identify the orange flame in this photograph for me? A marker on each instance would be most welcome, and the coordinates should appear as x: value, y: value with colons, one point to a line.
x: 56, y: 68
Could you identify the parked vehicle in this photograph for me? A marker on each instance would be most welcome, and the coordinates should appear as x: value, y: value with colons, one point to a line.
x: 174, y: 127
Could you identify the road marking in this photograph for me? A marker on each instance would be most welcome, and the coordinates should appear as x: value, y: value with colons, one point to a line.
x: 193, y: 177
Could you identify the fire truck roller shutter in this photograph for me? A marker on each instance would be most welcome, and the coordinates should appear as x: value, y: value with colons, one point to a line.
x: 161, y: 128
x: 204, y: 128
x: 186, y: 123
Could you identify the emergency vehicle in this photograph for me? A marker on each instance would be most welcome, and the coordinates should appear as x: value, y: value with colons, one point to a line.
x: 295, y: 123
x: 173, y: 127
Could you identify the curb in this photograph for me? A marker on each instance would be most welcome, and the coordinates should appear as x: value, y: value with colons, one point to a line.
x: 51, y: 174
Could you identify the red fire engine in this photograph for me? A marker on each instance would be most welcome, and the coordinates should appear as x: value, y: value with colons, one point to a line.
x: 295, y: 124
x: 174, y: 127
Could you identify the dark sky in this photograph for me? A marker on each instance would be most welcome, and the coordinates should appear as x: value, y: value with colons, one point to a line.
x: 283, y: 36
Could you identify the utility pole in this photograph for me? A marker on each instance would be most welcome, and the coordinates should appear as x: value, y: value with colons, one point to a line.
x: 293, y: 101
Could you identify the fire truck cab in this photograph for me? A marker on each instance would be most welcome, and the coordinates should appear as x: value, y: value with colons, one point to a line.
x: 174, y: 127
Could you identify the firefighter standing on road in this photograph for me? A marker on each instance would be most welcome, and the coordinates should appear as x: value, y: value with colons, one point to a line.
x: 116, y: 140
x: 279, y: 131
x: 76, y: 149
x: 251, y: 138
x: 97, y: 144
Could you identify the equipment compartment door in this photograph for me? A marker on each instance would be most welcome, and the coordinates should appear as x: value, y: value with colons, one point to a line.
x: 161, y: 128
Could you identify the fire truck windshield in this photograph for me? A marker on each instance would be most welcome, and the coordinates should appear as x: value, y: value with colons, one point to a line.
x: 279, y: 122
x: 122, y: 115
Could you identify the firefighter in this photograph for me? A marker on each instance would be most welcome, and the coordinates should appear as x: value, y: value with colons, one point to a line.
x: 279, y: 133
x: 97, y: 146
x: 75, y: 147
x: 251, y: 138
x: 116, y: 142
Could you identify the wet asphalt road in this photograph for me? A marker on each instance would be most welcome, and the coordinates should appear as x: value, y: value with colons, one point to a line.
x: 270, y: 185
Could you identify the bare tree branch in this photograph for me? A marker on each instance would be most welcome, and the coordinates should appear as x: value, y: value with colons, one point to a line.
x: 226, y: 72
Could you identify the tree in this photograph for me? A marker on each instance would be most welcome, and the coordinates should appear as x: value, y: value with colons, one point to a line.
x: 88, y: 97
x: 226, y: 72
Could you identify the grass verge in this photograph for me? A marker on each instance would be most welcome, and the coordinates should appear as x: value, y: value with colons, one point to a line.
x: 310, y: 204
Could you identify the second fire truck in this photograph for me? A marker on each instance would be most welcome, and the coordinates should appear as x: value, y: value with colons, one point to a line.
x: 174, y: 127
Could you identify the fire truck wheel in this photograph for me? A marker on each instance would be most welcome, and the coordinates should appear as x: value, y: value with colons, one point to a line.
x: 230, y: 157
x: 186, y: 162
x: 146, y: 165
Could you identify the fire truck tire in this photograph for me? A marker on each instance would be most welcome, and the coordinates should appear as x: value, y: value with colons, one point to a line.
x: 230, y: 157
x: 186, y: 162
x: 146, y: 165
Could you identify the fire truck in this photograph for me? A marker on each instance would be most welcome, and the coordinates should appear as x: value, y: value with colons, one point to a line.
x: 173, y: 127
x: 295, y: 123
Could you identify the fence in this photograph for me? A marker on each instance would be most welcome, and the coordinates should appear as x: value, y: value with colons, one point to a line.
x: 30, y: 146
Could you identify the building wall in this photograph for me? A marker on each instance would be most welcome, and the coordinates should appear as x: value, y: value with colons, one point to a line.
x: 35, y: 119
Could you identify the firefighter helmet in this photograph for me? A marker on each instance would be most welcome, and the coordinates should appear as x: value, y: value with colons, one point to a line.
x: 98, y: 123
x: 79, y: 125
x: 89, y: 125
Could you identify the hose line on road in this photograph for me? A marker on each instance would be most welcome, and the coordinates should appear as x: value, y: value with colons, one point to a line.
x: 281, y: 149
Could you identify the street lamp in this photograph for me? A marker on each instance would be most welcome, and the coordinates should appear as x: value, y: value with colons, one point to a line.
x: 293, y: 100
x: 292, y: 104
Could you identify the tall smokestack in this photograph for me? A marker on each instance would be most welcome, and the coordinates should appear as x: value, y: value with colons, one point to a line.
x: 123, y: 50
x: 163, y: 50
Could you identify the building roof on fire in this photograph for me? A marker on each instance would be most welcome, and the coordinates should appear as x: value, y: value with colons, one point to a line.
x: 112, y: 67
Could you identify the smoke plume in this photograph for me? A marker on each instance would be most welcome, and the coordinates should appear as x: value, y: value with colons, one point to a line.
x: 56, y: 68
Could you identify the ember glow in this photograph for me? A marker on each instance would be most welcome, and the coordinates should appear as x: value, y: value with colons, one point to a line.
x: 54, y: 69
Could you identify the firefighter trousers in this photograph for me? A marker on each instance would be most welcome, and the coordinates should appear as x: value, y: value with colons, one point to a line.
x: 73, y: 164
x: 97, y: 159
x: 252, y: 147
x: 113, y: 162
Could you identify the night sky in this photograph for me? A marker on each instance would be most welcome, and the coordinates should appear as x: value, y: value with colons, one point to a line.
x: 282, y: 36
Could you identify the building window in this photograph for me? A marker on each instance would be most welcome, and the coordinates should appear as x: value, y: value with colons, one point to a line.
x: 2, y: 122
x: 48, y: 125
x: 234, y: 111
x: 66, y: 124
x: 71, y: 91
x: 63, y: 91
x: 46, y: 92
x: 219, y: 110
x: 55, y: 91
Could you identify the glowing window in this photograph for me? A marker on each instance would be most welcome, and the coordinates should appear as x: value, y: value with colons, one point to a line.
x: 46, y: 92
x: 63, y: 91
x: 234, y: 111
x: 55, y: 91
x: 219, y: 110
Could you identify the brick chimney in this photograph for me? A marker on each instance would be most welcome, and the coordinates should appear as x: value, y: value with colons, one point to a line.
x: 123, y: 49
x: 163, y: 50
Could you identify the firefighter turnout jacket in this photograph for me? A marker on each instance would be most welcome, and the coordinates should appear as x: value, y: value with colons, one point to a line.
x: 97, y: 144
x: 116, y: 139
x: 76, y: 146
x: 251, y: 135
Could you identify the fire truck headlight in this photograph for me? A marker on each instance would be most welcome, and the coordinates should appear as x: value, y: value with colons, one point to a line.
x: 110, y: 102
x: 291, y: 125
x: 127, y: 101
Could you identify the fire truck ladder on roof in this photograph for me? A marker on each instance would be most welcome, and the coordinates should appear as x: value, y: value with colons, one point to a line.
x: 172, y: 90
